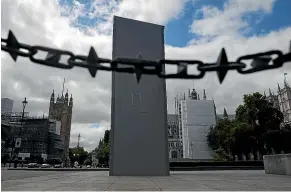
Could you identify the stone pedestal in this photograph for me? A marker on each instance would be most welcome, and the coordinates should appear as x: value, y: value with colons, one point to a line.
x: 139, y: 139
x: 279, y: 164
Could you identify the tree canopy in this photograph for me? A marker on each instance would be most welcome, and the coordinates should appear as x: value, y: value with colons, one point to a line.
x: 103, y: 148
x: 78, y: 154
x: 256, y: 128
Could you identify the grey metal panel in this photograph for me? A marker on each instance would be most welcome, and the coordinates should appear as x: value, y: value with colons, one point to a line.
x: 139, y: 142
x: 200, y: 116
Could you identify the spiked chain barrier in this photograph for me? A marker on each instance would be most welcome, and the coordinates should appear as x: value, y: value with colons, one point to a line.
x: 260, y: 61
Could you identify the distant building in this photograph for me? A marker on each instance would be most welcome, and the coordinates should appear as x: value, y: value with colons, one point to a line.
x: 61, y: 110
x: 14, y: 116
x: 6, y: 105
x: 282, y: 101
x: 195, y: 119
x: 37, y: 140
x: 175, y: 146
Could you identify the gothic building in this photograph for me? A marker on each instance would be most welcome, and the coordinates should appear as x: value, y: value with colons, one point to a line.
x: 273, y: 98
x: 61, y: 110
x: 175, y: 145
x: 282, y: 101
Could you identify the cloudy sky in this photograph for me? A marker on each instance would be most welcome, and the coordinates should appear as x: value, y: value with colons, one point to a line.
x: 194, y: 29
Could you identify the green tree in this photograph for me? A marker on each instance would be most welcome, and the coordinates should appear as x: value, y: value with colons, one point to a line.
x: 220, y: 137
x: 103, y: 148
x: 106, y: 136
x: 259, y: 113
x: 261, y: 117
x: 78, y: 154
x: 221, y: 155
x: 256, y: 123
x: 212, y: 138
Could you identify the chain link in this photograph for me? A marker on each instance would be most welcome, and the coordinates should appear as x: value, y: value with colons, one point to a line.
x: 260, y: 62
x: 53, y: 57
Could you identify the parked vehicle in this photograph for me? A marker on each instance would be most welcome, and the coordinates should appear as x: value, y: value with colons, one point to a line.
x: 32, y: 165
x: 58, y: 166
x: 45, y: 165
x: 55, y: 162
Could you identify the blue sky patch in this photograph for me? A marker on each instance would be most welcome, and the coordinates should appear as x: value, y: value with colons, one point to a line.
x: 95, y: 125
x: 177, y: 31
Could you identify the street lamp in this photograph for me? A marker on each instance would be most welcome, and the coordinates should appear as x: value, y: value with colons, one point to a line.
x: 24, y: 103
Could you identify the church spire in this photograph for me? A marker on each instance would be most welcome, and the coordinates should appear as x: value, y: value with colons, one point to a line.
x: 285, y: 81
x: 214, y: 109
x: 71, y: 101
x: 225, y: 115
x: 78, y: 145
x: 53, y: 97
x: 67, y: 96
x: 270, y: 92
x: 63, y: 87
x: 204, y: 94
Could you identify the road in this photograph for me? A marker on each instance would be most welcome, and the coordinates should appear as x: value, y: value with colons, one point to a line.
x: 12, y: 180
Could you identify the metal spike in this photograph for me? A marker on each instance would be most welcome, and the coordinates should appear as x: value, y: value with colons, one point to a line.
x: 93, y: 59
x: 260, y: 62
x: 222, y: 61
x: 12, y: 43
x: 53, y: 57
x: 138, y: 69
x: 182, y: 68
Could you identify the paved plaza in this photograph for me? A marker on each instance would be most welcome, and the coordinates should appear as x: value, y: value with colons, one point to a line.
x: 13, y: 180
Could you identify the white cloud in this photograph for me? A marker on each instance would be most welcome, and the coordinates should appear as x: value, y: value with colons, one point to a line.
x: 41, y: 23
x: 89, y: 136
x: 228, y: 21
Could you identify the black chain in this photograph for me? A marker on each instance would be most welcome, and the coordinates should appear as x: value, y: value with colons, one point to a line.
x: 260, y: 61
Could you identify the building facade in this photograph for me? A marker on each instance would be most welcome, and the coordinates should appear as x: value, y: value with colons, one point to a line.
x: 175, y: 145
x: 6, y: 105
x: 282, y: 100
x: 55, y: 142
x: 37, y: 140
x: 60, y: 109
x: 196, y: 116
x: 14, y: 116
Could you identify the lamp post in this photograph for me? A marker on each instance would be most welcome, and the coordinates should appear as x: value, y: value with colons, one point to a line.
x: 24, y: 103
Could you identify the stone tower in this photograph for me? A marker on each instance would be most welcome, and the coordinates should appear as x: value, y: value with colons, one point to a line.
x: 61, y: 110
x: 284, y: 100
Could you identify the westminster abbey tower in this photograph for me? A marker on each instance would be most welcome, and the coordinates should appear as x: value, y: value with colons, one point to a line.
x: 61, y: 110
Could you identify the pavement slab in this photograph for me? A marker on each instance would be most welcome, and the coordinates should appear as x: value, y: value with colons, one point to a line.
x: 243, y: 180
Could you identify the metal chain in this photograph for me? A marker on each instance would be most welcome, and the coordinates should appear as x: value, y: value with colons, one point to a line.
x: 260, y: 61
